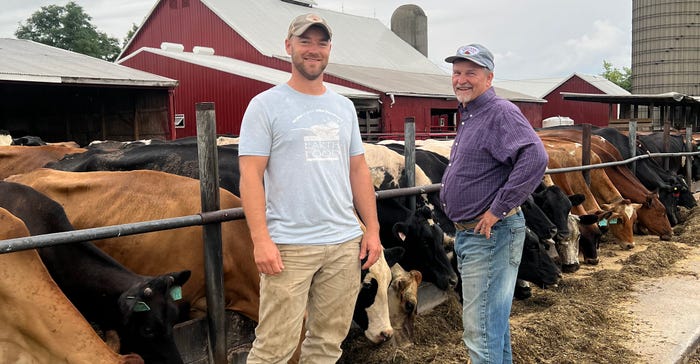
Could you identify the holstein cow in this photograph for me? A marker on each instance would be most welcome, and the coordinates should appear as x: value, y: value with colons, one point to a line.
x: 622, y: 212
x: 373, y: 299
x: 589, y: 231
x: 140, y: 309
x: 19, y: 159
x: 416, y: 231
x: 654, y: 142
x: 38, y: 324
x: 133, y: 196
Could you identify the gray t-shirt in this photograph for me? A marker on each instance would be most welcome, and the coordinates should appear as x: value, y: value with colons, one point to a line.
x: 309, y: 141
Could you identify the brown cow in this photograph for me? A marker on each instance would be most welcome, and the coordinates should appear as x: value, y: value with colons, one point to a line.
x: 21, y: 159
x: 38, y: 324
x: 94, y: 199
x: 602, y: 192
x: 652, y: 214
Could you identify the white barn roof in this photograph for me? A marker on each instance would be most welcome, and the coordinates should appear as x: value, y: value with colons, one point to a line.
x: 244, y: 69
x: 364, y: 50
x: 544, y: 86
x: 28, y: 61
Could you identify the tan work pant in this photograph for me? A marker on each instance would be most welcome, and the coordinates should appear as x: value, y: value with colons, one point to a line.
x: 323, y: 279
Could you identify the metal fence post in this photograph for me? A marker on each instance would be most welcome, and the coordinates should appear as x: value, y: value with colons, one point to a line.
x: 586, y: 151
x: 213, y: 261
x: 409, y: 145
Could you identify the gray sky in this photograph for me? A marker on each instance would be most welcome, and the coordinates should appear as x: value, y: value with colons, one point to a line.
x: 529, y: 38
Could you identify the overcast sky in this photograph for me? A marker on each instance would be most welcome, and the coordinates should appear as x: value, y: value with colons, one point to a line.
x: 529, y: 38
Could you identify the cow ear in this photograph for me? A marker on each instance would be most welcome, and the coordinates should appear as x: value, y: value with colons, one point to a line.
x: 179, y: 278
x: 393, y: 255
x: 577, y: 199
x: 418, y: 276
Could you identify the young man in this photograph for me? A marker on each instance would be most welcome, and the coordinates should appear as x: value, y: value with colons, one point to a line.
x: 303, y: 175
x: 497, y: 160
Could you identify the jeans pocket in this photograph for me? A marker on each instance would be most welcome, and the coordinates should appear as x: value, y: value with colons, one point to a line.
x: 517, y: 242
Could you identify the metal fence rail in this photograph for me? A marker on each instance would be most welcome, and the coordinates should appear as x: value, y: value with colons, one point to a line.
x: 38, y: 241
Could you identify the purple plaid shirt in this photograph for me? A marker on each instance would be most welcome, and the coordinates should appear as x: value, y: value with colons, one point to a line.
x: 497, y: 160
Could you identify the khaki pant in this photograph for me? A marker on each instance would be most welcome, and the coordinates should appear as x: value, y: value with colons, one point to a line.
x: 321, y: 279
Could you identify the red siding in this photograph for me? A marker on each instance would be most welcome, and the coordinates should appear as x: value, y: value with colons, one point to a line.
x: 594, y: 113
x: 196, y: 25
x: 230, y: 93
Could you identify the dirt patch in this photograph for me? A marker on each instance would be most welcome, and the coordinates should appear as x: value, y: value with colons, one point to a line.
x: 582, y: 320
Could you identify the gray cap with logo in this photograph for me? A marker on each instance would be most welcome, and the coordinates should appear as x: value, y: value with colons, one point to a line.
x: 302, y: 22
x: 475, y: 53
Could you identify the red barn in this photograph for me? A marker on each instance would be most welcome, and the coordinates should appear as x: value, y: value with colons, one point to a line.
x: 227, y: 51
x: 550, y: 89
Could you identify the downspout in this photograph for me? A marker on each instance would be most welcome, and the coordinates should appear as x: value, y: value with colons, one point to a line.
x: 393, y: 101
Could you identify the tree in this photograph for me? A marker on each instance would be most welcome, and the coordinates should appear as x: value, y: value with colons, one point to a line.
x: 130, y: 34
x: 68, y: 27
x: 622, y: 78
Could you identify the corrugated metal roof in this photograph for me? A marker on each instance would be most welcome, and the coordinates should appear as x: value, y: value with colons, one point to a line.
x: 264, y: 23
x: 27, y: 61
x: 669, y: 98
x: 411, y: 84
x: 245, y: 69
x: 544, y: 86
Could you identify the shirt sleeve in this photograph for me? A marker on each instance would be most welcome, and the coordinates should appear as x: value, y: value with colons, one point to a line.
x: 256, y: 130
x: 521, y: 148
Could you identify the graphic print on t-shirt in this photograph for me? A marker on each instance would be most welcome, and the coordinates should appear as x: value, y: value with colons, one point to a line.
x: 324, y: 144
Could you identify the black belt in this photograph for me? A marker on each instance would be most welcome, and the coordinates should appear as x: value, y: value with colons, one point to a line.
x: 471, y: 224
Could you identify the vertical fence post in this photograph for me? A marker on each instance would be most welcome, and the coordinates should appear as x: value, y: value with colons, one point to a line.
x: 409, y: 145
x: 632, y: 139
x: 667, y: 143
x: 689, y: 158
x: 586, y: 152
x: 213, y: 261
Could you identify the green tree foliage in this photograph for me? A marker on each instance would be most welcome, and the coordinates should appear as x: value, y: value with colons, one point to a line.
x: 130, y: 34
x: 622, y: 78
x: 68, y: 27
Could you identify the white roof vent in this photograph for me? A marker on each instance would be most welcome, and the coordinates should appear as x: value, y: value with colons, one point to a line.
x: 172, y: 47
x: 207, y: 51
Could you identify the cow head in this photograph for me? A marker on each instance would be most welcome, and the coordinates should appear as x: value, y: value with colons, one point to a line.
x: 622, y: 221
x: 536, y: 266
x: 557, y: 206
x: 589, y: 241
x: 567, y: 249
x: 654, y: 218
x: 423, y: 240
x: 149, y: 312
x: 536, y: 220
x: 403, y: 303
x: 372, y: 305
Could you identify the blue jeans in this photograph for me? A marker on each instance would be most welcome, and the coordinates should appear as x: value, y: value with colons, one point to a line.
x: 489, y: 268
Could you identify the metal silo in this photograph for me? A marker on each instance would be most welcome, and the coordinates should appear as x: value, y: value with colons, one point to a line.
x: 666, y: 46
x: 410, y: 24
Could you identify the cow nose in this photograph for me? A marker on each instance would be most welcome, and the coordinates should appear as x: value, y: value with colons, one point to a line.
x: 386, y: 335
x: 453, y: 281
x: 410, y: 306
x: 591, y: 261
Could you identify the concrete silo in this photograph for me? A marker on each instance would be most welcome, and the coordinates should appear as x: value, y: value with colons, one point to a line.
x: 410, y: 24
x: 666, y: 46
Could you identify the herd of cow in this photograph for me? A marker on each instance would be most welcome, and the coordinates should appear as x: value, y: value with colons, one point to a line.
x: 134, y: 289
